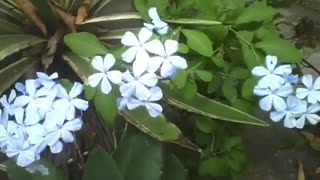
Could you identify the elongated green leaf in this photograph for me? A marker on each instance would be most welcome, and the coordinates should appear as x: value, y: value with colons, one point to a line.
x: 198, y: 41
x: 12, y: 11
x: 85, y: 44
x: 193, y: 22
x: 114, y: 17
x: 209, y: 107
x: 11, y: 73
x: 15, y: 42
x: 159, y: 127
x: 139, y: 157
x: 94, y: 10
x: 101, y: 166
x: 117, y: 34
x: 7, y: 27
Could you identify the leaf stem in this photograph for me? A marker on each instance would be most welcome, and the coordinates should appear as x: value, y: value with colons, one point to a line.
x: 245, y: 41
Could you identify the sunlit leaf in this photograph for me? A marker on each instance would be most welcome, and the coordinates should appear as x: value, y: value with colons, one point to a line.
x: 85, y: 44
x: 114, y: 17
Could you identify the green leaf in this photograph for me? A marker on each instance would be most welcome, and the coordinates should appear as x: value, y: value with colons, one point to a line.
x: 113, y: 17
x: 80, y: 65
x: 250, y: 57
x: 205, y: 76
x: 16, y: 172
x: 208, y: 107
x: 180, y: 78
x: 250, y: 14
x: 139, y: 157
x: 215, y: 84
x: 229, y: 91
x: 214, y: 167
x: 198, y: 41
x: 9, y: 27
x: 205, y: 124
x: 12, y: 43
x: 158, y: 127
x: 183, y: 48
x: 236, y: 160
x: 194, y: 22
x: 173, y: 168
x: 283, y: 49
x: 101, y: 166
x: 14, y: 71
x: 85, y: 44
x: 89, y: 92
x: 190, y: 88
x: 106, y: 105
x: 239, y: 73
x: 247, y: 88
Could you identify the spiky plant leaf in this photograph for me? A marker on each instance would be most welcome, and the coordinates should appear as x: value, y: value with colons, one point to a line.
x: 6, y: 27
x: 114, y: 17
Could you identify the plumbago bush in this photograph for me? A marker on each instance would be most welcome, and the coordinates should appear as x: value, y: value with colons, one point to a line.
x: 174, y: 91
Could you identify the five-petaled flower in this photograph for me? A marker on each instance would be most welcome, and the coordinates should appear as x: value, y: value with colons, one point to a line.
x: 312, y: 90
x: 271, y: 76
x: 160, y: 26
x: 105, y: 74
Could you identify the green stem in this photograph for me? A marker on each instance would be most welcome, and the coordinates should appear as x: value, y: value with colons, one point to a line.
x: 245, y: 41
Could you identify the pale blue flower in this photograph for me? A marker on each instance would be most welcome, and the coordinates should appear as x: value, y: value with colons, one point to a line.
x: 24, y: 152
x: 45, y: 80
x: 157, y: 24
x: 137, y: 85
x: 293, y: 107
x: 290, y: 78
x: 169, y: 63
x: 271, y: 76
x: 311, y: 115
x: 105, y: 74
x: 273, y: 98
x: 58, y: 128
x: 33, y: 102
x: 136, y: 52
x: 69, y: 102
x: 37, y: 167
x: 312, y: 90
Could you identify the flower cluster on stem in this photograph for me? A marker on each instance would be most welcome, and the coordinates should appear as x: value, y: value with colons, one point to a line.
x: 151, y: 60
x: 37, y: 114
x: 283, y: 94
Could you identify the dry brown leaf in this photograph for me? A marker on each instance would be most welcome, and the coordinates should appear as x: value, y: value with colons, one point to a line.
x: 66, y: 17
x: 300, y: 175
x: 51, y: 48
x: 83, y: 11
x: 29, y: 10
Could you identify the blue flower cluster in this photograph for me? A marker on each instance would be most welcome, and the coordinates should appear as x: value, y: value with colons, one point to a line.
x: 285, y: 96
x: 138, y: 87
x: 38, y: 114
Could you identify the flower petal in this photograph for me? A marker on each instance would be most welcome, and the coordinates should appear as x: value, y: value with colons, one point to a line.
x: 133, y: 103
x: 266, y: 103
x: 80, y: 104
x: 283, y: 69
x: 154, y: 109
x: 95, y: 79
x: 307, y: 80
x: 56, y: 148
x: 154, y: 63
x: 108, y: 61
x: 271, y: 62
x: 178, y: 61
x: 276, y: 116
x: 144, y: 35
x: 105, y: 85
x: 156, y: 47
x: 76, y: 90
x: 130, y: 54
x: 130, y: 39
x: 260, y: 71
x: 97, y: 63
x: 156, y: 94
x: 279, y: 104
x: 171, y: 47
x: 114, y: 76
x: 148, y: 79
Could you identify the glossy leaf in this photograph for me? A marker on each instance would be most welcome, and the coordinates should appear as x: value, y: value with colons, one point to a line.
x: 198, y: 41
x: 12, y: 72
x: 209, y: 107
x: 139, y: 157
x: 195, y: 22
x: 113, y: 17
x: 250, y: 14
x: 85, y: 44
x: 101, y: 166
x: 15, y: 42
x: 106, y: 105
x: 159, y: 127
